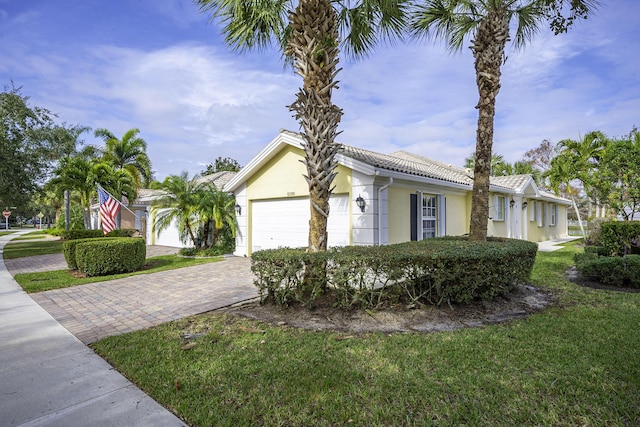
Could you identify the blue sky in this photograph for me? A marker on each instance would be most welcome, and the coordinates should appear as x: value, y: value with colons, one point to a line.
x: 160, y: 66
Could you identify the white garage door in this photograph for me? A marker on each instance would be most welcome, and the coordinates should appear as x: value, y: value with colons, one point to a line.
x: 170, y: 236
x: 285, y: 222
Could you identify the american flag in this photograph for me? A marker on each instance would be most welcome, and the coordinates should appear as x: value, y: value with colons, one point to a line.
x: 109, y: 208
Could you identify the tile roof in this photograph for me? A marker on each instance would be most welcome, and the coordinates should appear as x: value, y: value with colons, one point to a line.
x: 219, y: 179
x: 513, y: 182
x: 408, y: 163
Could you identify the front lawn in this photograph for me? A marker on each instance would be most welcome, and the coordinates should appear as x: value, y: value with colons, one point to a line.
x: 22, y: 249
x: 574, y: 364
x: 44, y: 281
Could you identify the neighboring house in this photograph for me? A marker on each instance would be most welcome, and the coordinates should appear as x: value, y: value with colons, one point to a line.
x: 144, y: 218
x: 381, y: 199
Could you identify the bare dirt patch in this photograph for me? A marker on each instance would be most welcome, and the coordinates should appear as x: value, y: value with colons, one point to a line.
x: 523, y: 301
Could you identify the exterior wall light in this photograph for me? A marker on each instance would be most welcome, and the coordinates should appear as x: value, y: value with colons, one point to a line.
x: 512, y: 203
x: 238, y: 209
x: 524, y: 205
x: 361, y: 203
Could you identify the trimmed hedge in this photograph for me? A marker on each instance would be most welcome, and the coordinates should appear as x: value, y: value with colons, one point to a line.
x: 621, y: 237
x: 99, y: 257
x: 432, y: 271
x: 612, y: 271
x: 69, y: 250
x: 81, y: 234
x: 598, y: 250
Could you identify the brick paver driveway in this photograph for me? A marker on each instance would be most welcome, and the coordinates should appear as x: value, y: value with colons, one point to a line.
x: 98, y: 310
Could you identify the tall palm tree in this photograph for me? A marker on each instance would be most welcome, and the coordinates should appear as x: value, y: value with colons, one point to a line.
x: 487, y: 22
x: 309, y: 33
x: 128, y: 153
x: 178, y: 202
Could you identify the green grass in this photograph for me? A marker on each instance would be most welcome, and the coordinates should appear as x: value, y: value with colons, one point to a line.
x: 22, y: 249
x: 44, y: 281
x: 28, y: 237
x: 575, y: 364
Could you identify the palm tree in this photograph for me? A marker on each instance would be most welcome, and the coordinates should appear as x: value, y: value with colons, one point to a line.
x: 217, y: 208
x: 487, y: 22
x: 179, y: 203
x: 128, y: 153
x: 563, y: 171
x: 585, y: 154
x: 308, y: 34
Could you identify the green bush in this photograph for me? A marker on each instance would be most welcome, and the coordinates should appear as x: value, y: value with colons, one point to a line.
x: 621, y: 237
x: 432, y: 271
x: 69, y: 250
x: 81, y: 234
x: 612, y: 271
x: 122, y: 232
x: 598, y: 250
x: 99, y: 257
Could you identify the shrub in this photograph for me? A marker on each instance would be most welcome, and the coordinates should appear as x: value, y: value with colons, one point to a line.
x: 122, y: 232
x: 81, y: 234
x: 69, y: 251
x: 433, y: 271
x: 98, y: 257
x: 621, y: 238
x: 612, y: 271
x: 598, y: 250
x: 594, y: 230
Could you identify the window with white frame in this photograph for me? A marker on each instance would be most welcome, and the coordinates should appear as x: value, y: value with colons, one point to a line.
x: 553, y: 214
x: 429, y: 216
x: 499, y: 207
x: 532, y: 210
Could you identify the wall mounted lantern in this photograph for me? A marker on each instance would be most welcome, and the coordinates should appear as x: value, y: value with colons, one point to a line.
x: 361, y: 203
x: 512, y: 203
x: 238, y: 209
x: 524, y: 205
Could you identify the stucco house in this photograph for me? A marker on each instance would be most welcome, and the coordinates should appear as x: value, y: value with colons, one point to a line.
x: 381, y: 199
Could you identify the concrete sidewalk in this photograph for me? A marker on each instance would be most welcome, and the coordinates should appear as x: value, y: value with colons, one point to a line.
x: 553, y: 245
x: 49, y: 378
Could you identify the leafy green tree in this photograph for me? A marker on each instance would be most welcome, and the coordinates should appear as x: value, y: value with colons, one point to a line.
x: 25, y: 147
x: 617, y: 181
x: 487, y: 23
x: 308, y: 34
x: 79, y: 176
x: 220, y: 165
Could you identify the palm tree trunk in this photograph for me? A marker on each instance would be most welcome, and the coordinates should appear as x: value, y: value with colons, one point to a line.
x: 575, y: 207
x: 314, y: 48
x: 488, y: 46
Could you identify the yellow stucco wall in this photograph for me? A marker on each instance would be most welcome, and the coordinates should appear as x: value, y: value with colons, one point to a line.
x: 537, y: 233
x: 400, y: 210
x: 283, y: 176
x: 458, y: 214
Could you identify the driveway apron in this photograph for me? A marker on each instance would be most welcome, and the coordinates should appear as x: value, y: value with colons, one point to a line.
x: 101, y: 309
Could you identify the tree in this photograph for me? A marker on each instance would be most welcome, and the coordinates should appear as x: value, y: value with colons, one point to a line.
x: 617, y: 181
x: 220, y: 165
x: 79, y: 176
x: 308, y: 35
x: 128, y: 153
x: 487, y: 22
x: 585, y: 154
x: 564, y: 170
x: 215, y: 208
x: 178, y: 202
x: 25, y: 147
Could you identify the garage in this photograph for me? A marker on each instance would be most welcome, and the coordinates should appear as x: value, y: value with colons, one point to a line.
x: 170, y: 236
x: 285, y: 222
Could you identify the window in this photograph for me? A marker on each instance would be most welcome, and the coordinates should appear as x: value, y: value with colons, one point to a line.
x: 498, y: 208
x: 541, y: 214
x: 429, y: 216
x: 553, y: 214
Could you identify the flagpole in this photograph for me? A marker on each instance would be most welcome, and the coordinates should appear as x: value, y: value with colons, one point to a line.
x: 117, y: 200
